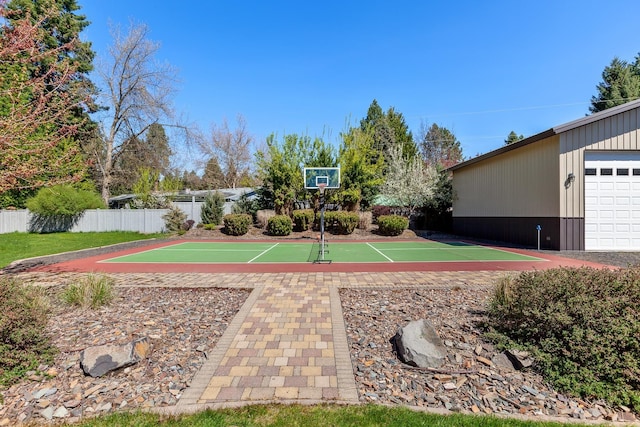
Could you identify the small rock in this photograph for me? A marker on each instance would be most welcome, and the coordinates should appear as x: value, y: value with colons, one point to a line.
x: 502, y: 361
x: 484, y: 360
x: 61, y: 412
x: 47, y: 413
x: 45, y: 392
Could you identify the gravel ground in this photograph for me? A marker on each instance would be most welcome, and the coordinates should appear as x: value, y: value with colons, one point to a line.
x: 181, y: 333
x: 475, y: 377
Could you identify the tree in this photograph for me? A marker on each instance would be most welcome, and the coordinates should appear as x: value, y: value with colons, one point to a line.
x: 402, y: 134
x: 280, y: 169
x: 36, y: 142
x: 192, y: 181
x: 137, y: 91
x: 152, y: 152
x: 409, y: 183
x: 213, y: 176
x: 513, y: 137
x: 361, y: 167
x: 232, y: 149
x: 389, y: 129
x: 61, y: 26
x: 439, y: 146
x: 620, y: 83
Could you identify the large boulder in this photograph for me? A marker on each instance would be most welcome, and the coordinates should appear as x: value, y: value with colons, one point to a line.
x: 97, y: 361
x: 418, y: 344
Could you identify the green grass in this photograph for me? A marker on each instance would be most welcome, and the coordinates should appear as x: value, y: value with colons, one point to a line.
x: 15, y: 246
x: 311, y: 416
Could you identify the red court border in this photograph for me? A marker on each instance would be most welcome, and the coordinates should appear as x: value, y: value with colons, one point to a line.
x: 94, y: 264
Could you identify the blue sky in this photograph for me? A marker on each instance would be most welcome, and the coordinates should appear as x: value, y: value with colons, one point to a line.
x: 479, y: 68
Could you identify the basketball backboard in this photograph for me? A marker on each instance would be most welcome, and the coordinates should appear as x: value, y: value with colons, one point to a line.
x: 314, y: 177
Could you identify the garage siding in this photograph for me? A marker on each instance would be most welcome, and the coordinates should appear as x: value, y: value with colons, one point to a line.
x: 519, y: 183
x: 616, y: 133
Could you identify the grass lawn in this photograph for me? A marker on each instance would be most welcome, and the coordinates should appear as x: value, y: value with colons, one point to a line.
x: 15, y: 246
x: 310, y: 416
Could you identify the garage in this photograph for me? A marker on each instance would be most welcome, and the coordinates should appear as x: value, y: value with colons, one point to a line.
x: 612, y: 201
x: 575, y: 186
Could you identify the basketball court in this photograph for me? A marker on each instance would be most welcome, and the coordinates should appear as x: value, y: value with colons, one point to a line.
x: 307, y: 255
x: 272, y: 256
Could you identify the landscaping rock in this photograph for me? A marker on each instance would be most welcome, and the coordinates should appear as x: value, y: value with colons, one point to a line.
x: 97, y: 361
x: 418, y: 344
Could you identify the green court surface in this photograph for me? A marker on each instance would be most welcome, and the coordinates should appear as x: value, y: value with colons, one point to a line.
x: 304, y: 252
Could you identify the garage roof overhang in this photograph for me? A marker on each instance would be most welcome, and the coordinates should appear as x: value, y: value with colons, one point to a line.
x: 550, y: 132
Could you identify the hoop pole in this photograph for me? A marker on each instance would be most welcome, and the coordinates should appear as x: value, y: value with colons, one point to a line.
x: 321, y: 188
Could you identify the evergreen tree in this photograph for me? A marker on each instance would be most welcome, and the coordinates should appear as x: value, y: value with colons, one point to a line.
x: 620, y: 84
x: 36, y: 142
x: 213, y: 176
x: 513, y: 137
x: 439, y: 146
x: 62, y: 25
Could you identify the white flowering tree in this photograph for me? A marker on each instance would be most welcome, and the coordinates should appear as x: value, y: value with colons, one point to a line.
x: 409, y: 183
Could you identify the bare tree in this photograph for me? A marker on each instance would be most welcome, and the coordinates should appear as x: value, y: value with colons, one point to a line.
x: 137, y: 93
x: 232, y: 149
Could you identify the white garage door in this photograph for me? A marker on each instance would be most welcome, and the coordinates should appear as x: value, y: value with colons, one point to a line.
x: 612, y: 201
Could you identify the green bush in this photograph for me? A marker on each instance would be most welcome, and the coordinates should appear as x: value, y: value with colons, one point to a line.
x: 330, y: 218
x: 174, y: 219
x: 93, y: 291
x: 303, y: 219
x: 582, y: 325
x: 24, y: 343
x: 279, y: 225
x: 212, y: 209
x: 237, y: 224
x: 63, y: 200
x: 346, y: 222
x: 244, y: 205
x: 392, y: 225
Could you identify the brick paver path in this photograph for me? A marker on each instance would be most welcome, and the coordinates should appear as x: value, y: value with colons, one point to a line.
x: 288, y: 342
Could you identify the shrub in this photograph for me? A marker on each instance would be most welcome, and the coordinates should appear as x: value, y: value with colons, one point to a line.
x: 582, y: 325
x: 174, y: 219
x: 329, y: 220
x: 378, y: 211
x: 187, y: 225
x: 303, y: 219
x: 279, y: 225
x: 262, y: 217
x: 345, y: 222
x: 23, y: 341
x: 350, y: 199
x: 244, y: 205
x: 93, y: 291
x: 212, y: 209
x: 364, y: 220
x: 63, y: 200
x: 392, y: 225
x: 209, y: 226
x: 236, y: 224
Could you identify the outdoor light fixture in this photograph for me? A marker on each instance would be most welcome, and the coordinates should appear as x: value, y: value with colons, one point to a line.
x: 570, y: 178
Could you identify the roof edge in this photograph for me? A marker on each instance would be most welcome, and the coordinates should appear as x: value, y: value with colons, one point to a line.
x: 530, y: 140
x: 551, y: 132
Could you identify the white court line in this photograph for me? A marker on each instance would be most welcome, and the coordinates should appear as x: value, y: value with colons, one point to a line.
x: 369, y: 244
x: 262, y: 253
